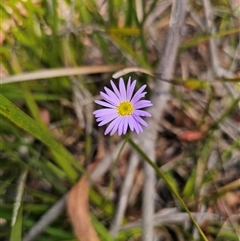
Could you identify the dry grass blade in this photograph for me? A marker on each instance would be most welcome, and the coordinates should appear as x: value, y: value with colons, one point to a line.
x: 125, y: 71
x: 44, y: 74
x: 77, y: 207
x: 124, y: 195
x: 53, y: 213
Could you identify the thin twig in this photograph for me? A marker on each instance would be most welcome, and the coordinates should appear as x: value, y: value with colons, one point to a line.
x: 51, y: 215
x: 105, y: 164
x: 172, y: 217
x: 124, y: 194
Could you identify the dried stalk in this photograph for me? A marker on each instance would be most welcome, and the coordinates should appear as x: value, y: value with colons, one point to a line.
x: 124, y: 195
x: 159, y: 99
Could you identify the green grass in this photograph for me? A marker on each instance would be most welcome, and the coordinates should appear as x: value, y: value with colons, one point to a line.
x: 47, y: 45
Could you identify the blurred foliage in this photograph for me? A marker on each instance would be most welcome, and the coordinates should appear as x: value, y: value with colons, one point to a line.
x: 51, y: 146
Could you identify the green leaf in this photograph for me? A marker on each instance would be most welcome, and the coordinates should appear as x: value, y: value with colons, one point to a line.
x: 195, y: 84
x: 188, y: 190
x: 16, y: 233
x: 20, y: 119
x: 123, y: 31
x: 126, y: 47
x: 101, y: 230
x: 101, y: 202
x: 127, y: 234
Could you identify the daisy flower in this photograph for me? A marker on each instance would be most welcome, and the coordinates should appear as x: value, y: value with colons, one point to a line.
x: 123, y: 108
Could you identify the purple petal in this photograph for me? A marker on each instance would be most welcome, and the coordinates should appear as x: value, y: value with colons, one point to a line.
x: 139, y: 91
x: 111, y: 125
x: 104, y: 112
x: 112, y: 98
x: 107, y: 119
x: 122, y: 89
x: 116, y: 91
x: 101, y: 118
x: 112, y: 95
x: 142, y: 104
x: 136, y: 127
x: 131, y: 122
x: 109, y: 99
x: 120, y: 127
x: 125, y: 125
x: 141, y: 113
x: 115, y: 128
x: 130, y: 88
x: 140, y: 128
x: 137, y: 97
x: 140, y: 120
x: 99, y: 102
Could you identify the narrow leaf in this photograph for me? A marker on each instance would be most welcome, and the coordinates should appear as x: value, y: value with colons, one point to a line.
x: 20, y: 119
x: 124, y: 31
x: 52, y: 73
x: 16, y: 232
x: 127, y: 48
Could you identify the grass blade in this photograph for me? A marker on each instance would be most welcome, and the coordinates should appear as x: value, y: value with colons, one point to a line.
x: 44, y: 74
x: 20, y: 119
x: 170, y: 186
x: 16, y: 232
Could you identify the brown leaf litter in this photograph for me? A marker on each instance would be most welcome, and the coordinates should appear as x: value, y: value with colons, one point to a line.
x: 78, y: 211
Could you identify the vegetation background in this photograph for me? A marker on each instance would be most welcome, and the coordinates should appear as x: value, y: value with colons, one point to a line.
x: 55, y: 58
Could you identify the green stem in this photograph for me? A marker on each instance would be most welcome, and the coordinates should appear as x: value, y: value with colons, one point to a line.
x: 115, y: 163
x: 170, y: 186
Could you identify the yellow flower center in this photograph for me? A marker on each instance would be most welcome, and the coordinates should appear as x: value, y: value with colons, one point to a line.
x: 125, y: 108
